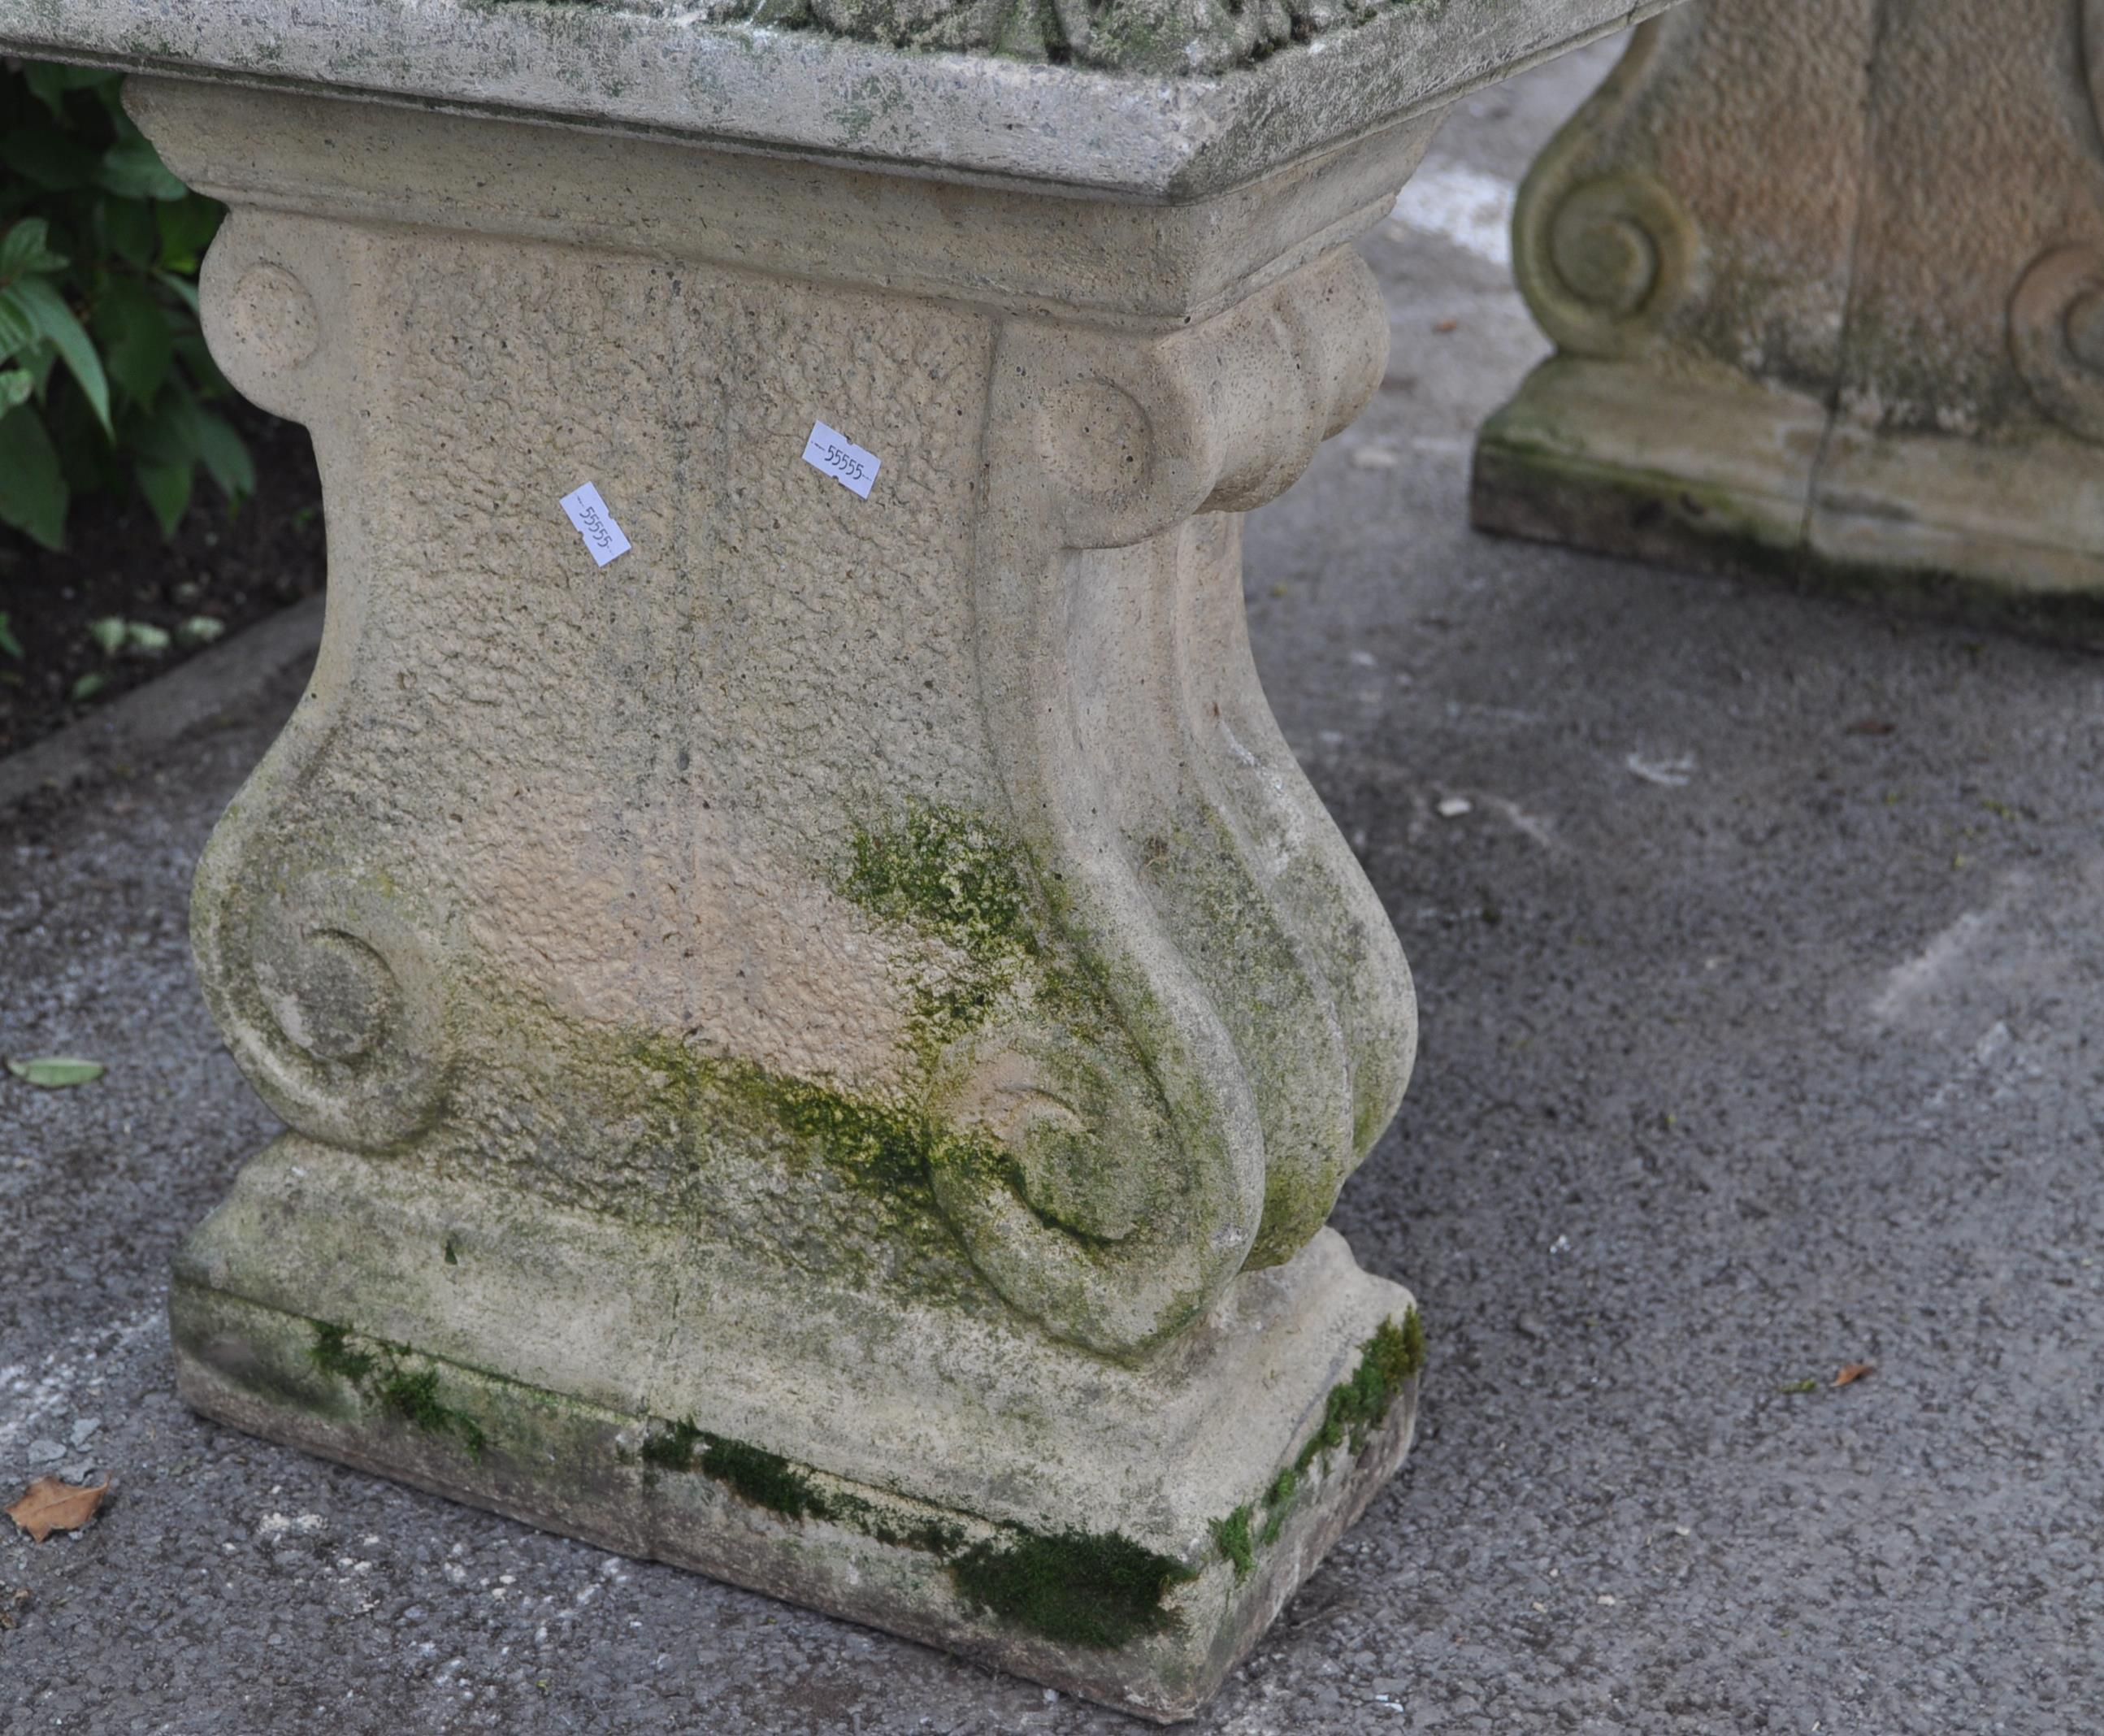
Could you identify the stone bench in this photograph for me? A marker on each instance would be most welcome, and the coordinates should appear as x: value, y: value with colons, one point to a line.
x: 1826, y: 282
x: 819, y: 1021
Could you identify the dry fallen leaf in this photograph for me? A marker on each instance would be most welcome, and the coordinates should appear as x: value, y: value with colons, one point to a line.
x: 52, y: 1505
x: 1854, y: 1371
x: 11, y: 1608
x: 1444, y: 326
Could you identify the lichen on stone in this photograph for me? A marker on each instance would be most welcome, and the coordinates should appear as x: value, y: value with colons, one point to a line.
x: 1191, y: 37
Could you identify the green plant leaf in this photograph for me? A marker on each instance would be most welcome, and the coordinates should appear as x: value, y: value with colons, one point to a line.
x: 87, y: 687
x: 129, y: 227
x: 17, y: 385
x: 166, y: 488
x: 197, y: 630
x: 146, y: 639
x: 137, y: 347
x: 187, y: 226
x: 39, y: 152
x: 186, y: 291
x: 33, y: 496
x: 54, y: 1072
x: 13, y: 646
x: 56, y: 322
x: 26, y: 247
x: 132, y: 168
x: 108, y: 633
x: 17, y: 329
x: 224, y: 456
x: 49, y: 81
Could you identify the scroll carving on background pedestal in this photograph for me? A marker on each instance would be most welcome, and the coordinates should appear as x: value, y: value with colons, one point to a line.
x: 1822, y: 278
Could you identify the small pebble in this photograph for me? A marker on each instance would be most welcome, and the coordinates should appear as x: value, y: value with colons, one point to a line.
x: 43, y: 1452
x: 1453, y: 807
x: 1528, y: 1326
x: 85, y: 1427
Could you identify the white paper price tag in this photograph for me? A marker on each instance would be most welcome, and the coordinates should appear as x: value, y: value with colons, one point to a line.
x: 595, y: 524
x: 832, y: 452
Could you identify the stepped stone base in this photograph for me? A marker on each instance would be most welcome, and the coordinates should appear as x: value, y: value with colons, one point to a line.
x: 1124, y: 1533
x: 1758, y: 482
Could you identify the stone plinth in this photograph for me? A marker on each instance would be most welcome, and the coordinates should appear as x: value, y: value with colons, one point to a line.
x: 821, y: 1049
x: 1824, y: 278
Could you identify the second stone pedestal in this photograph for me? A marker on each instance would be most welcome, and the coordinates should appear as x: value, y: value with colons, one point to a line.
x: 1824, y: 278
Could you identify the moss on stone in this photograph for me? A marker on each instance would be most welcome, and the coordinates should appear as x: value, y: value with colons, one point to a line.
x: 1355, y: 1407
x: 1093, y: 1589
x: 754, y: 1475
x: 765, y: 1480
x: 331, y: 1353
x: 1277, y: 1503
x: 383, y: 1376
x: 943, y: 869
x: 675, y: 1449
x: 1231, y: 1537
x: 412, y: 1394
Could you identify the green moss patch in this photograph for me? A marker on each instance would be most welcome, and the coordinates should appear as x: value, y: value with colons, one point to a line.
x: 1079, y: 1588
x: 1356, y: 1408
x: 1231, y: 1537
x: 1278, y: 1502
x: 1093, y: 1589
x: 948, y: 871
x: 765, y: 1478
x: 754, y: 1475
x: 384, y: 1376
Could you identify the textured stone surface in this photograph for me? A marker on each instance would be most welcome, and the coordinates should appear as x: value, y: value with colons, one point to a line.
x: 1820, y: 281
x: 823, y: 1051
x: 1181, y: 129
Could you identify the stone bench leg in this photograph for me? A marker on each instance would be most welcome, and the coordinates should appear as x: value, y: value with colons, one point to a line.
x: 1825, y: 279
x: 820, y: 1050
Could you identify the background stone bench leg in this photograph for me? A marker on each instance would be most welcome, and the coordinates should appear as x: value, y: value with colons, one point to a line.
x: 821, y: 1049
x: 1826, y: 283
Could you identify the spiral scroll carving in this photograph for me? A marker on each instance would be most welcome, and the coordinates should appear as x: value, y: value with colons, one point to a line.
x: 1103, y: 1230
x: 330, y: 1002
x: 1603, y: 263
x: 2056, y: 337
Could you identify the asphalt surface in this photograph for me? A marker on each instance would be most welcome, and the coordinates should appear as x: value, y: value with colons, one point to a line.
x: 1763, y: 990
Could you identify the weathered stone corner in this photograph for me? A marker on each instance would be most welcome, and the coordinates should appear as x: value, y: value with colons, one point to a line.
x: 1822, y: 280
x: 820, y: 1047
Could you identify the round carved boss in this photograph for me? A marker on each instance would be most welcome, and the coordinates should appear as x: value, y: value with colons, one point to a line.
x: 334, y: 1007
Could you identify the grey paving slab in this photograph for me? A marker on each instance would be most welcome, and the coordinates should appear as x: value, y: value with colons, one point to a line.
x: 1762, y: 985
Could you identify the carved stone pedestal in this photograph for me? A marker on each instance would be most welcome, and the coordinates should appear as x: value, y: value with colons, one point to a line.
x: 820, y: 1049
x: 1826, y: 282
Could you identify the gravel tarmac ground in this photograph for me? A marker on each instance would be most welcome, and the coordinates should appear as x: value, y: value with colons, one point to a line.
x: 1760, y: 945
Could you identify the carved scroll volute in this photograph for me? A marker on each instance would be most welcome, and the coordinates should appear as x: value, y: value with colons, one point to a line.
x: 2057, y: 313
x: 1244, y: 1072
x: 324, y: 973
x: 1603, y: 255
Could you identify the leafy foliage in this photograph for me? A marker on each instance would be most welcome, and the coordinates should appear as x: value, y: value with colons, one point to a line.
x: 104, y: 379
